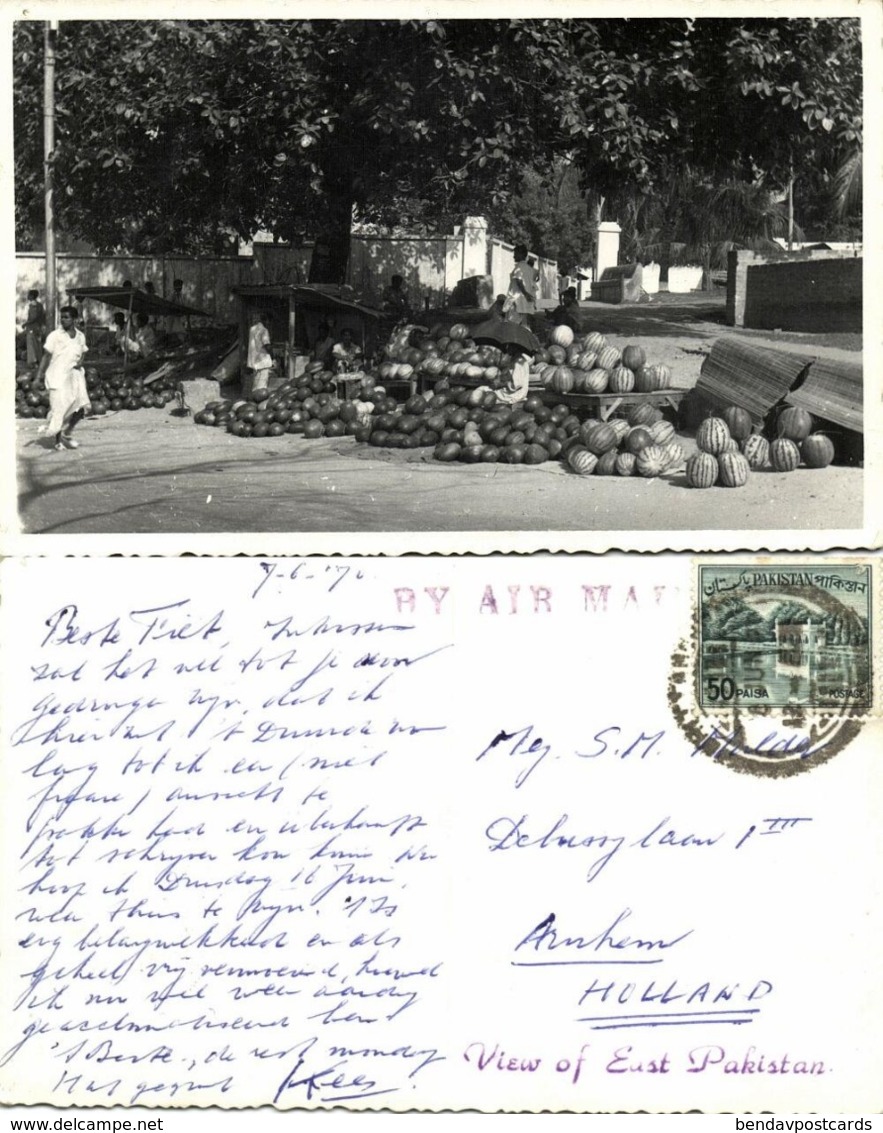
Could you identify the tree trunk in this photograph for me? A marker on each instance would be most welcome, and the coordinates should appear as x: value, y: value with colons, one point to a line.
x: 706, y: 269
x: 331, y: 252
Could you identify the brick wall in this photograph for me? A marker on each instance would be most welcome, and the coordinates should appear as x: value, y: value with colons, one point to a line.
x: 820, y: 292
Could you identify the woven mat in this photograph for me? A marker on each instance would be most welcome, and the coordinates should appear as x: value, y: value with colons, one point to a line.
x: 833, y: 391
x: 752, y: 377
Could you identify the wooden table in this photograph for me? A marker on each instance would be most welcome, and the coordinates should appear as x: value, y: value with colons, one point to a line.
x: 603, y: 405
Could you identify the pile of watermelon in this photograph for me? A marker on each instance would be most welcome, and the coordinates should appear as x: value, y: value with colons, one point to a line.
x: 588, y: 364
x: 730, y: 448
x: 307, y: 405
x: 641, y: 444
x: 107, y: 391
x: 31, y: 396
x: 469, y: 425
x: 443, y: 353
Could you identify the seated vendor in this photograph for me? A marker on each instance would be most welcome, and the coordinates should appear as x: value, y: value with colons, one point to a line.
x: 567, y: 312
x: 143, y: 345
x: 120, y: 332
x: 324, y: 345
x: 346, y: 353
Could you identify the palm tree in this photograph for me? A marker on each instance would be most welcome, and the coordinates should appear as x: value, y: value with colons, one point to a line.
x: 846, y: 189
x: 703, y: 220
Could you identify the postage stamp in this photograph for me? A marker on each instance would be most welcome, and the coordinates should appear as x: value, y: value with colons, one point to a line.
x: 796, y: 636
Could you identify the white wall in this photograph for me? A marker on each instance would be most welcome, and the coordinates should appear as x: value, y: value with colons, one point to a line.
x: 207, y: 282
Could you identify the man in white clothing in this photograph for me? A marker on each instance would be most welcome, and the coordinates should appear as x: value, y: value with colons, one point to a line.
x: 521, y: 299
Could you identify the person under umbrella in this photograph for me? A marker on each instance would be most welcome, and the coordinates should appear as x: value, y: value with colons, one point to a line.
x: 516, y: 388
x: 504, y: 333
x: 520, y: 344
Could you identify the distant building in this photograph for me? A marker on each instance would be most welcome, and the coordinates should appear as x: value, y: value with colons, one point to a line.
x: 798, y: 636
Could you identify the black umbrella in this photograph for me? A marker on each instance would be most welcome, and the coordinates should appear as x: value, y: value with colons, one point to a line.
x: 503, y: 333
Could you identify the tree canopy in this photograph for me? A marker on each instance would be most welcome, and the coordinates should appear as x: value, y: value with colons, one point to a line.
x: 173, y: 133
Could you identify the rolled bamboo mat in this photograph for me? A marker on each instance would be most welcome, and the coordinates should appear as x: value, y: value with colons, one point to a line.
x: 834, y: 391
x: 755, y: 378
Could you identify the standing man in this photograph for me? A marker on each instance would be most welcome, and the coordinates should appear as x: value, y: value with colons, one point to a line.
x: 259, y: 359
x: 395, y: 299
x: 521, y: 299
x: 35, y: 327
x: 175, y: 323
x: 61, y: 368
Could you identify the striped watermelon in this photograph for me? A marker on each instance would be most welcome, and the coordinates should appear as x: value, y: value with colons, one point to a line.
x: 702, y: 470
x: 650, y: 461
x: 712, y: 435
x: 595, y: 341
x: 600, y: 439
x: 756, y: 450
x: 784, y: 454
x: 607, y: 463
x: 620, y: 426
x: 625, y: 463
x: 588, y: 427
x: 734, y: 469
x: 643, y: 414
x: 562, y: 380
x: 595, y: 381
x: 608, y: 358
x: 649, y: 379
x: 662, y: 432
x: 561, y: 335
x: 674, y: 455
x: 581, y: 461
x: 586, y: 360
x: 621, y: 380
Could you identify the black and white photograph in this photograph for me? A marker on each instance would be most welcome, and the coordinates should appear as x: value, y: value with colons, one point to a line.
x: 539, y: 282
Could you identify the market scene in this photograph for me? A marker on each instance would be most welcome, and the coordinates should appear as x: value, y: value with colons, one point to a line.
x: 284, y: 293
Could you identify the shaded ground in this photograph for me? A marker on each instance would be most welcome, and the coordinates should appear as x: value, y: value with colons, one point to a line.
x: 147, y: 471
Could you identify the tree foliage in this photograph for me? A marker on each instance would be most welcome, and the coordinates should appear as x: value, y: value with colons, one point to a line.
x: 734, y: 619
x: 549, y: 214
x: 171, y: 134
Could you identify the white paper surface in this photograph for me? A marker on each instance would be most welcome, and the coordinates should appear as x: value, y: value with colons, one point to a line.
x: 414, y: 833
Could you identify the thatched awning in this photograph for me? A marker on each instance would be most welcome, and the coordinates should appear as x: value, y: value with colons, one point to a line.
x: 833, y: 391
x: 136, y: 300
x: 752, y: 377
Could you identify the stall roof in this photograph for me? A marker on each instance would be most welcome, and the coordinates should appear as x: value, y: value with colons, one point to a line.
x: 140, y: 300
x: 314, y: 296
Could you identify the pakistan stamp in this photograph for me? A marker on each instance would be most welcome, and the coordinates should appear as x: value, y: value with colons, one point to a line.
x: 789, y: 637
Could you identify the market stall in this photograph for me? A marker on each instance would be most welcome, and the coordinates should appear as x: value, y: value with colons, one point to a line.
x: 134, y: 301
x: 294, y: 314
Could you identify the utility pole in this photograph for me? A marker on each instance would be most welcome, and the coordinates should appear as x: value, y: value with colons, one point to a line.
x: 791, y: 208
x: 50, y: 32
